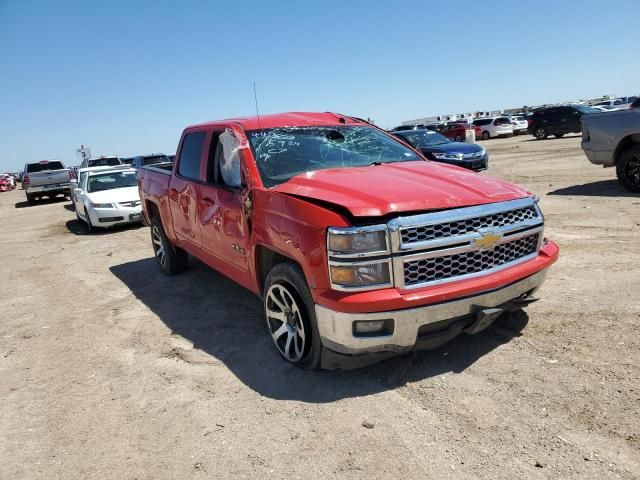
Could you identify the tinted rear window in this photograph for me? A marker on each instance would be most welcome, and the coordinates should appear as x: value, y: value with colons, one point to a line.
x: 104, y: 162
x: 189, y: 160
x: 44, y: 166
x: 482, y: 121
x: 502, y: 121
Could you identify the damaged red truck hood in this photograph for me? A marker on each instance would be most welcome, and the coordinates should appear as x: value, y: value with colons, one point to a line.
x: 400, y: 187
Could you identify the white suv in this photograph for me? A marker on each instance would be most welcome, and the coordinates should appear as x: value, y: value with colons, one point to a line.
x: 494, y: 127
x: 520, y: 125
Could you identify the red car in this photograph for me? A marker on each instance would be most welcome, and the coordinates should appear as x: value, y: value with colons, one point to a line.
x: 359, y: 247
x: 5, y: 184
x: 457, y: 131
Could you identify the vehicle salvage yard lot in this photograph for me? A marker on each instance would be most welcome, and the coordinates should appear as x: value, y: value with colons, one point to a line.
x: 109, y: 369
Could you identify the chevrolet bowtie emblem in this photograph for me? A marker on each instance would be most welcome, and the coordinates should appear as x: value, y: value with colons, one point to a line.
x: 488, y: 239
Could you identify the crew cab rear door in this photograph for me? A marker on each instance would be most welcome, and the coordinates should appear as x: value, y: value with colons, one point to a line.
x: 184, y: 186
x: 221, y: 207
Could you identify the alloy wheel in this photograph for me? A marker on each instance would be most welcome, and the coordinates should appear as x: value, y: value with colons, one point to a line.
x: 158, y: 246
x: 632, y: 170
x: 285, y: 322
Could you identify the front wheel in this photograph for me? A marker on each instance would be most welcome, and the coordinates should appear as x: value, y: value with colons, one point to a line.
x: 90, y: 227
x: 290, y: 316
x: 628, y: 169
x: 172, y: 260
x: 559, y: 135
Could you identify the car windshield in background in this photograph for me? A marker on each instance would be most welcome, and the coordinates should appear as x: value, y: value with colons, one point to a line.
x: 585, y: 109
x: 44, y: 166
x: 104, y: 162
x: 282, y: 153
x: 154, y: 159
x: 111, y: 180
x: 424, y: 139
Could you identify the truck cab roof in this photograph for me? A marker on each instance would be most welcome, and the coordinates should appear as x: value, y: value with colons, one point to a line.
x: 288, y: 119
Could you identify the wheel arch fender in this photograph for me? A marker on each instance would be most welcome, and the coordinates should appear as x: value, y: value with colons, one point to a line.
x: 624, y: 144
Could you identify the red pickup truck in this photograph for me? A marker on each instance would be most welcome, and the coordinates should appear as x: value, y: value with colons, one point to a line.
x: 359, y: 247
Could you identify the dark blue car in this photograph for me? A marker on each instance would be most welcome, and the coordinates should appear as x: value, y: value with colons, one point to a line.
x: 439, y: 148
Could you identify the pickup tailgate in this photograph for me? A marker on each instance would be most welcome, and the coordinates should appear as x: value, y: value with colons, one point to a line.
x: 47, y: 173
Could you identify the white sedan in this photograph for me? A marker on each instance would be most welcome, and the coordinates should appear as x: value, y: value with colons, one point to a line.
x: 105, y: 198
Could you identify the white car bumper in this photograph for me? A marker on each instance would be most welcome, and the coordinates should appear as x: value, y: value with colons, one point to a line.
x: 108, y: 217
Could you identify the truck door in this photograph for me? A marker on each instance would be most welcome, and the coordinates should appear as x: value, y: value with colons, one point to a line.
x: 184, y: 187
x: 221, y: 209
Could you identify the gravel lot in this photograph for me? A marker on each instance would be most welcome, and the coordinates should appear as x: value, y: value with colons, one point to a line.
x: 108, y: 369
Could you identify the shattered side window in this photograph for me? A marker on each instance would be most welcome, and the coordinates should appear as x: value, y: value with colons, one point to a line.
x: 282, y: 153
x: 230, y: 161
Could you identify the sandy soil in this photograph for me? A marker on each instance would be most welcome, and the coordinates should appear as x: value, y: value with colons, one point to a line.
x: 110, y: 370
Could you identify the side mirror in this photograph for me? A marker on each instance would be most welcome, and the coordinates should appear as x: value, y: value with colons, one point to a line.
x: 77, y: 191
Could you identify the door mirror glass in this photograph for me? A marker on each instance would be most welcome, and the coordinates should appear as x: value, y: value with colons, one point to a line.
x: 77, y: 191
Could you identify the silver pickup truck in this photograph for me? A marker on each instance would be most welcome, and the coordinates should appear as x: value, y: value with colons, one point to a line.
x: 612, y: 139
x: 46, y: 178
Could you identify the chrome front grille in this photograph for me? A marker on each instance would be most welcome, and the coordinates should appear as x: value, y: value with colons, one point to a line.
x: 133, y: 203
x: 425, y: 233
x: 445, y: 267
x: 444, y: 246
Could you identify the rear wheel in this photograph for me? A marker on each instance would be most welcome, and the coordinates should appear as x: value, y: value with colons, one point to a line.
x: 559, y: 135
x: 628, y: 169
x: 31, y: 200
x: 486, y: 135
x: 458, y: 138
x: 540, y: 133
x: 172, y: 260
x: 290, y: 316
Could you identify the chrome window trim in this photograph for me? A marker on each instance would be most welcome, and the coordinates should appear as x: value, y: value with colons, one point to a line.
x: 355, y: 230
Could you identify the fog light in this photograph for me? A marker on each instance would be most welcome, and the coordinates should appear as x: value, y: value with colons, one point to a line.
x: 364, y: 328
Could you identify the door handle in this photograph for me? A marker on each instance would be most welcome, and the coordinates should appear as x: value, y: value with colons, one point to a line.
x: 207, y: 202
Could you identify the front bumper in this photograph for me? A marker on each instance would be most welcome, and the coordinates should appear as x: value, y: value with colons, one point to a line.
x: 475, y: 164
x: 337, y: 331
x: 108, y: 217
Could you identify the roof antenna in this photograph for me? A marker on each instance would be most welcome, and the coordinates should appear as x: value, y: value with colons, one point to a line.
x: 255, y: 98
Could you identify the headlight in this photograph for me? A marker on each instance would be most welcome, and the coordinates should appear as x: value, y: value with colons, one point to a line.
x: 102, y: 205
x: 448, y: 156
x: 361, y: 275
x: 357, y: 241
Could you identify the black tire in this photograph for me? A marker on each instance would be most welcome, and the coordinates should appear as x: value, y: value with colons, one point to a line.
x: 171, y: 259
x: 90, y: 227
x: 486, y: 135
x: 628, y: 169
x: 31, y: 200
x: 301, y: 319
x: 558, y: 135
x: 458, y: 138
x: 540, y: 133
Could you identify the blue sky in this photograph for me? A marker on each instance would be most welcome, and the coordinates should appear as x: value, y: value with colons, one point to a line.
x: 127, y: 77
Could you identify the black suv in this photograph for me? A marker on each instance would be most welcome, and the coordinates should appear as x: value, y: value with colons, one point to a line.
x: 558, y: 120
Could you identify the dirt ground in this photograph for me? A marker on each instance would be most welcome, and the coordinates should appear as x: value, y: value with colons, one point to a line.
x: 110, y: 370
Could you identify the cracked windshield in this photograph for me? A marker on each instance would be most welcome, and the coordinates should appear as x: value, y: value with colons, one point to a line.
x: 282, y: 153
